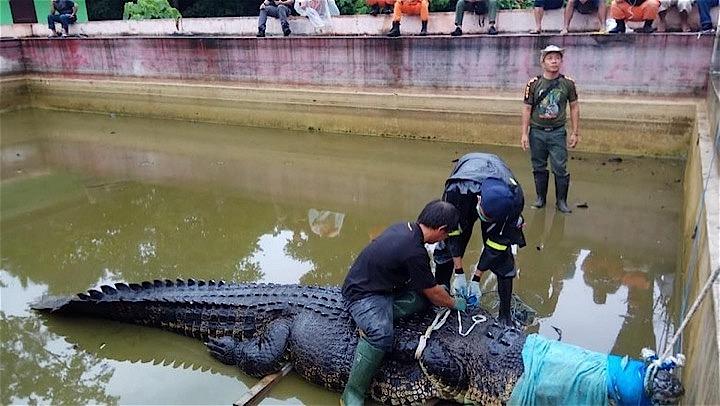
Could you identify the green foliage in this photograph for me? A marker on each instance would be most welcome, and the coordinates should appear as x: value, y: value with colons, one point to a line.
x: 112, y: 9
x: 442, y: 5
x: 149, y: 9
x: 514, y: 4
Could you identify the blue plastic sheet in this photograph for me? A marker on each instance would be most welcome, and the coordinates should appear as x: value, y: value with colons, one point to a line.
x: 560, y: 374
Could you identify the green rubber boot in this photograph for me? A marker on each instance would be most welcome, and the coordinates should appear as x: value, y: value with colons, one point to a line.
x: 367, y: 361
x: 408, y: 303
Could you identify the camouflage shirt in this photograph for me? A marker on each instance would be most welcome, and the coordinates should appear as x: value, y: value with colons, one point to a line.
x: 550, y: 112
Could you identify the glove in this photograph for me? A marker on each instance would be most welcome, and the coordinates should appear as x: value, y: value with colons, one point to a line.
x: 474, y: 293
x: 460, y: 303
x: 459, y: 284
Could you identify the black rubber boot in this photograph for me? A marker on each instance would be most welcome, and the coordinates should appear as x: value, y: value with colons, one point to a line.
x: 541, y: 187
x: 423, y: 29
x: 619, y: 27
x: 505, y: 286
x: 647, y: 28
x: 443, y: 274
x: 561, y: 191
x: 457, y: 32
x: 395, y: 31
x: 375, y: 10
x: 261, y: 33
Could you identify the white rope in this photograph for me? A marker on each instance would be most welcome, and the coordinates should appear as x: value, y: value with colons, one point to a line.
x: 692, y: 311
x: 439, y: 321
x: 477, y: 319
x: 666, y: 361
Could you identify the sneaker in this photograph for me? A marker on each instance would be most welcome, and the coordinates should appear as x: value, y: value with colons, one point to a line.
x: 706, y: 27
x: 457, y: 32
x: 387, y: 10
x: 63, y: 35
x: 54, y: 34
x: 492, y: 30
x: 286, y: 31
x: 375, y: 10
x: 260, y: 34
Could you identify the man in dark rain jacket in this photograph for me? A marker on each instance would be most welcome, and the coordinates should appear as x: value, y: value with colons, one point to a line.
x: 481, y: 186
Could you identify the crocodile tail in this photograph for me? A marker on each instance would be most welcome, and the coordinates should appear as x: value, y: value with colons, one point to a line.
x: 50, y: 304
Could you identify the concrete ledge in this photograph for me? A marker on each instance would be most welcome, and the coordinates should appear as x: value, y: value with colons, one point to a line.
x: 508, y: 21
x: 660, y: 128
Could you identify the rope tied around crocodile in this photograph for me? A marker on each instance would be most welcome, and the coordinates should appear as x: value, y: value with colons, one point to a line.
x: 439, y: 321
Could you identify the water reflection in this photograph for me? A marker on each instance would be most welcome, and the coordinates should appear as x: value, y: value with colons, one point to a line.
x: 103, y: 200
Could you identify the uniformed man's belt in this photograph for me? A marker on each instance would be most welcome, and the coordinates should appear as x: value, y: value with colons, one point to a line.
x: 548, y: 129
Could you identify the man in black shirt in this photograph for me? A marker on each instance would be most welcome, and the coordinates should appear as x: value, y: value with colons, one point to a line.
x: 392, y: 278
x: 63, y: 12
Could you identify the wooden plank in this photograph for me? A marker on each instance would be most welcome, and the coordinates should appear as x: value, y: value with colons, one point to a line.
x: 257, y: 393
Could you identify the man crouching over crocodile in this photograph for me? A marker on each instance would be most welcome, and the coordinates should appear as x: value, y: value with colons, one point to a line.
x: 261, y: 327
x: 391, y: 278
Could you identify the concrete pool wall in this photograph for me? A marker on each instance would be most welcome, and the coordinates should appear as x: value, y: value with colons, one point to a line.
x: 641, y: 95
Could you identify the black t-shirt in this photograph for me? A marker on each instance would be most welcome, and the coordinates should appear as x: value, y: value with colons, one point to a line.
x: 64, y: 6
x: 394, y: 262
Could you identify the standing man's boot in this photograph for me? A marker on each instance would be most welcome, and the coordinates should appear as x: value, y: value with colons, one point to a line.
x: 423, y: 30
x: 561, y: 191
x: 504, y: 287
x: 541, y: 187
x: 366, y: 362
x: 443, y: 273
x: 395, y: 31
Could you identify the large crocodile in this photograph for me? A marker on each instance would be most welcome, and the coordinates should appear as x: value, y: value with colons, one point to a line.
x: 260, y: 327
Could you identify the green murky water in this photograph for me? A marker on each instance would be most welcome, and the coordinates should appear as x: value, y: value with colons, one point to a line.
x: 89, y: 199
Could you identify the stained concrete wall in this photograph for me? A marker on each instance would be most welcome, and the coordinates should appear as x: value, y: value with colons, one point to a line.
x: 615, y: 64
x: 701, y: 256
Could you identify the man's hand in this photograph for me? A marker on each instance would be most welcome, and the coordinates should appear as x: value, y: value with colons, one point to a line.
x: 474, y: 293
x: 459, y: 285
x: 460, y: 303
x: 524, y: 142
x: 573, y: 140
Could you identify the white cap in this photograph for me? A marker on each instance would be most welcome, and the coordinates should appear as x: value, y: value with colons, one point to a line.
x: 550, y: 48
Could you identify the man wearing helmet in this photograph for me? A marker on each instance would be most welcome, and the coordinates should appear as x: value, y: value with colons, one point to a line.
x: 481, y: 186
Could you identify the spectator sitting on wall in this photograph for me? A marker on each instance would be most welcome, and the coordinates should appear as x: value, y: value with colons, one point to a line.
x: 278, y: 9
x: 481, y: 7
x: 634, y: 10
x: 63, y: 12
x: 539, y: 8
x: 585, y: 7
x: 704, y: 7
x: 412, y: 7
x: 380, y: 6
x: 683, y: 6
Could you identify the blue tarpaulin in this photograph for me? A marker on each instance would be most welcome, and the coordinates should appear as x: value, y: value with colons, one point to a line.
x: 560, y: 374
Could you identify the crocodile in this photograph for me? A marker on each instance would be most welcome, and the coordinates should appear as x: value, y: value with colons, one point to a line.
x: 261, y: 327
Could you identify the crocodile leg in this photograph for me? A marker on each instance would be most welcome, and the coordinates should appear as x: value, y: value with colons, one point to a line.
x: 259, y: 356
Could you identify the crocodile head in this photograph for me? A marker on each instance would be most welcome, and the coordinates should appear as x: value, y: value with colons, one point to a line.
x: 481, y: 368
x: 666, y: 389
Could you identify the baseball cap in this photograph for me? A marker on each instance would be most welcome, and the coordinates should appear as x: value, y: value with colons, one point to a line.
x: 496, y: 199
x: 550, y: 48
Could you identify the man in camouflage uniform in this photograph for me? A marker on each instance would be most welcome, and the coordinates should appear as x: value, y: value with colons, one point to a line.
x: 543, y: 126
